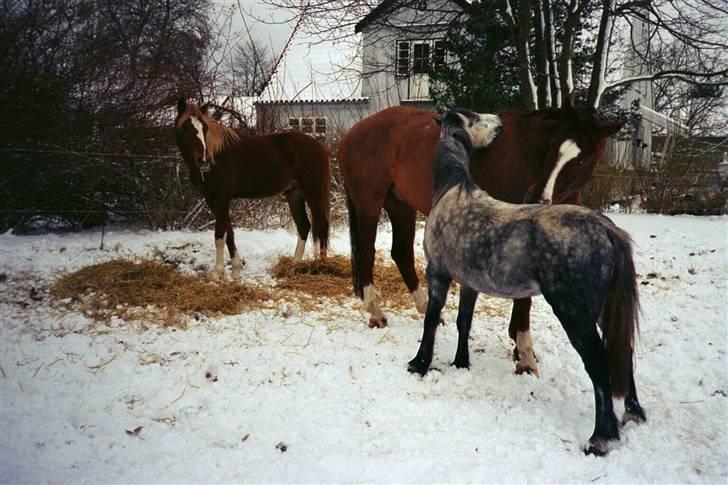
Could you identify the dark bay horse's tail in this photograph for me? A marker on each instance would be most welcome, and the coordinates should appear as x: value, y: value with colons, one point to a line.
x: 620, y: 320
x: 354, y: 240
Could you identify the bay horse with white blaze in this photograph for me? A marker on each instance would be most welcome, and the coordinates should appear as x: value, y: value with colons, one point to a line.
x: 225, y: 163
x: 577, y: 258
x: 386, y: 162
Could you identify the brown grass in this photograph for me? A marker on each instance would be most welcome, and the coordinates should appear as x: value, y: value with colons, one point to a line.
x: 331, y: 278
x: 153, y: 291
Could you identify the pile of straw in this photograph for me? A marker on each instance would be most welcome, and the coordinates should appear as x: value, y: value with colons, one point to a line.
x: 153, y: 291
x: 331, y: 278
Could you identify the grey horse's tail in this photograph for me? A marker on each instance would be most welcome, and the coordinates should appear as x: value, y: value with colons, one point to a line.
x: 620, y: 317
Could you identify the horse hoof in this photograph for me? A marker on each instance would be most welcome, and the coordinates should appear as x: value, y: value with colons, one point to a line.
x: 526, y: 369
x: 418, y: 366
x: 375, y: 322
x: 461, y: 364
x: 634, y: 415
x: 597, y: 447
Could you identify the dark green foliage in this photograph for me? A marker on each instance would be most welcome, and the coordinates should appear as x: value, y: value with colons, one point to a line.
x: 482, y: 72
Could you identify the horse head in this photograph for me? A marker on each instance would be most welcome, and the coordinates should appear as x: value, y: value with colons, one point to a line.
x: 576, y: 146
x: 481, y: 128
x: 191, y: 127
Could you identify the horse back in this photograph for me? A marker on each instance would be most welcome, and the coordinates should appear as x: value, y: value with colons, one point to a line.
x: 394, y: 146
x: 265, y: 165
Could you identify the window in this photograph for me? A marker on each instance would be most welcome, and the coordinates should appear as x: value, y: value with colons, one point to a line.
x: 403, y: 55
x: 419, y: 56
x: 315, y: 127
x: 440, y: 55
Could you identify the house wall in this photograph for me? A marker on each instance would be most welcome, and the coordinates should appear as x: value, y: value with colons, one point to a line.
x: 340, y: 115
x: 379, y: 50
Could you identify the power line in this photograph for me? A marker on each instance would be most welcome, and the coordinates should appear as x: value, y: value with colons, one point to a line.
x: 96, y: 154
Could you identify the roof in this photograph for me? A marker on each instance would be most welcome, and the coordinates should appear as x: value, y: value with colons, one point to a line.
x: 316, y: 69
x: 389, y: 6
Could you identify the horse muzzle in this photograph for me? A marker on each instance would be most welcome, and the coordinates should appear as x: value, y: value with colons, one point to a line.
x: 203, y: 165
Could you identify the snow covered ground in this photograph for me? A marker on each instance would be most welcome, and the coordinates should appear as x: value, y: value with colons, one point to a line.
x: 286, y: 396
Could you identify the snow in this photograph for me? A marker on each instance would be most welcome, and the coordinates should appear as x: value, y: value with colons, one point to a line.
x: 218, y: 402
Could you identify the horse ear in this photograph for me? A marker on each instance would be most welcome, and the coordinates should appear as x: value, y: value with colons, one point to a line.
x: 181, y: 105
x: 567, y: 107
x: 438, y: 120
x: 609, y: 129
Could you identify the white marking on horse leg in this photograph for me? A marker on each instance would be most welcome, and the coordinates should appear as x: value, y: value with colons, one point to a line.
x: 200, y: 134
x: 237, y: 265
x: 371, y: 304
x: 219, y: 273
x: 527, y: 361
x: 300, y: 248
x: 567, y: 151
x: 420, y: 297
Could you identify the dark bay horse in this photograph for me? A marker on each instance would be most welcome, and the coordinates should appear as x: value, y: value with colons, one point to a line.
x: 225, y: 163
x: 577, y: 258
x: 386, y: 162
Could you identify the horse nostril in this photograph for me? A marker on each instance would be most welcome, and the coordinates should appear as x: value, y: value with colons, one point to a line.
x: 546, y: 201
x: 498, y: 129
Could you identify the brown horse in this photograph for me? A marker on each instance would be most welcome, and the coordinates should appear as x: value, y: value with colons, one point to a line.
x: 226, y: 163
x: 387, y: 162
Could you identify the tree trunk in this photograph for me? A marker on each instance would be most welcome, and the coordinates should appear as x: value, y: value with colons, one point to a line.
x: 543, y: 87
x: 598, y: 74
x: 528, y: 87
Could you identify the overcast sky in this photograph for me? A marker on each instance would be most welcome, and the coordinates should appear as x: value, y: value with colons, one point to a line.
x: 269, y: 26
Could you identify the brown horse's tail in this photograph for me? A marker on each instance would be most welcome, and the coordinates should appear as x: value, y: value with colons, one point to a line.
x: 320, y: 209
x: 353, y: 238
x: 620, y: 320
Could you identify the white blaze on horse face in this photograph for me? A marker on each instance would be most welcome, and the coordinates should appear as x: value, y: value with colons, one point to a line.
x: 200, y: 134
x: 567, y: 151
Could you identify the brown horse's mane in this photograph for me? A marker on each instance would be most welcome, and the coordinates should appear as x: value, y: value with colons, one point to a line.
x: 218, y: 135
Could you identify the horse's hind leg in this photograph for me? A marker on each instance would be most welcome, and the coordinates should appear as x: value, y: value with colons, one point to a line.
x: 297, y: 204
x: 403, y: 217
x: 366, y: 233
x: 586, y: 341
x: 519, y: 331
x: 632, y: 409
x: 237, y: 262
x: 468, y: 297
x: 437, y: 286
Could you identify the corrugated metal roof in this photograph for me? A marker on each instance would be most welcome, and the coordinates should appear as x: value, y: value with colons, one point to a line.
x: 316, y: 69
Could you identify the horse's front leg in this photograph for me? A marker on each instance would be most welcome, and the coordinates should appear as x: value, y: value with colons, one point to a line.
x: 437, y: 286
x: 468, y: 297
x: 519, y: 330
x: 237, y: 262
x: 222, y: 222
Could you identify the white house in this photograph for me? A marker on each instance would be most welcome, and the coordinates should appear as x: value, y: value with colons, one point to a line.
x: 323, y: 86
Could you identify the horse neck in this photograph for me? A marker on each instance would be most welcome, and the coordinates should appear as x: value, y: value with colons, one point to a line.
x: 451, y: 170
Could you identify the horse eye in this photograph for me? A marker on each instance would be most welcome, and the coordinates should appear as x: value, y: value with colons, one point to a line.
x: 580, y: 162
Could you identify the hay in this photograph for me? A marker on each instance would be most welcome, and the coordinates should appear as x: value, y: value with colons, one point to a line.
x: 331, y: 278
x: 153, y: 290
